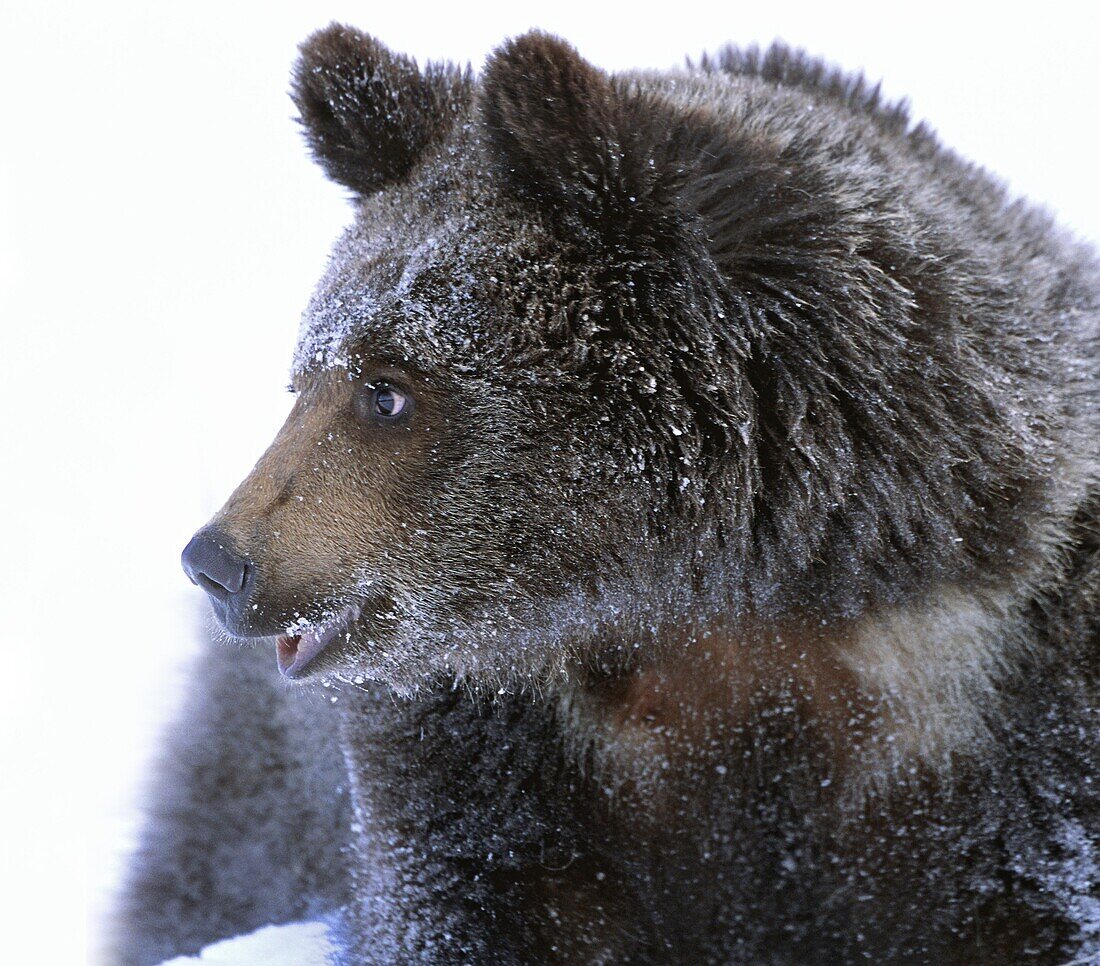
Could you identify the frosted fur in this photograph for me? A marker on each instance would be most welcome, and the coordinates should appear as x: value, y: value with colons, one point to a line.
x: 729, y: 591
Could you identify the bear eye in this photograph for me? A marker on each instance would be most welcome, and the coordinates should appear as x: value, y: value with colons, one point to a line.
x: 387, y: 402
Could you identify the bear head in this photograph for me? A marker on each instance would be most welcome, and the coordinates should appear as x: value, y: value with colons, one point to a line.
x: 545, y: 400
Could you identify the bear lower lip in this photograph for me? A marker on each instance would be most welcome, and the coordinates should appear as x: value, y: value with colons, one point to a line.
x: 295, y: 652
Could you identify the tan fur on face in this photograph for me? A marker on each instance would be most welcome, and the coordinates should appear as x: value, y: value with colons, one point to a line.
x: 291, y: 513
x: 318, y: 516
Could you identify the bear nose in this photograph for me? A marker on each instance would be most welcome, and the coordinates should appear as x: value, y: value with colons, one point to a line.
x: 210, y: 561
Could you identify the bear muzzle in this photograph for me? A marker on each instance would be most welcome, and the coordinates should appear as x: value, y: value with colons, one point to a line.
x: 211, y: 562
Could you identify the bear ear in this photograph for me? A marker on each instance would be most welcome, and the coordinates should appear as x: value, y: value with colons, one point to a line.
x: 368, y: 113
x: 561, y: 131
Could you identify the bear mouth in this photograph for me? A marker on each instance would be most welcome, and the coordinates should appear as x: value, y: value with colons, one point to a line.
x: 296, y: 652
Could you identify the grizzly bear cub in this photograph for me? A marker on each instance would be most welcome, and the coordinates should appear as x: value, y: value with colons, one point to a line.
x: 686, y: 534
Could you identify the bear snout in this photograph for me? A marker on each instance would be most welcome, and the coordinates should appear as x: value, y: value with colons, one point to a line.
x: 212, y: 562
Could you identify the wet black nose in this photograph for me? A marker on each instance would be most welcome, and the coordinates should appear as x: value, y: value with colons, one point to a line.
x: 212, y: 563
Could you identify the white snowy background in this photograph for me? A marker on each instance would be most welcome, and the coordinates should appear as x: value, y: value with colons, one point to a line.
x: 160, y: 231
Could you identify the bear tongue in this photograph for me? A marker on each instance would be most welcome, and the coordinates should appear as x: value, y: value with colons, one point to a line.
x: 286, y: 650
x: 295, y: 651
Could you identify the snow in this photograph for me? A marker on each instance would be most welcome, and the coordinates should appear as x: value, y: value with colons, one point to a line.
x: 1076, y: 880
x: 297, y: 944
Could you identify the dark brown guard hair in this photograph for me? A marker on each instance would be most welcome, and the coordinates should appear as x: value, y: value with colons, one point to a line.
x: 370, y: 114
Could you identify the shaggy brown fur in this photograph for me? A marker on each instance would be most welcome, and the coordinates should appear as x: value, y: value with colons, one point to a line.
x: 726, y: 588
